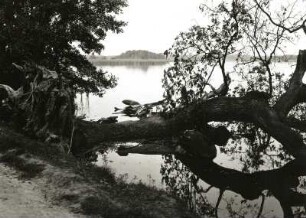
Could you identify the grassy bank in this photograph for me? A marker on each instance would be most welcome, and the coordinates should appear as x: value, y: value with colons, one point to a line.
x: 81, y: 186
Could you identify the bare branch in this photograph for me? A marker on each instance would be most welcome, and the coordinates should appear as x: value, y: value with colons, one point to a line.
x: 293, y: 29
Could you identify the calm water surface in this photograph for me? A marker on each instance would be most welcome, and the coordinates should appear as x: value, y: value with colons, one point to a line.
x: 143, y: 84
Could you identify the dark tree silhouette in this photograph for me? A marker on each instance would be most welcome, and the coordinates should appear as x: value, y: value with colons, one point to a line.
x: 264, y: 110
x: 42, y: 54
x: 56, y: 34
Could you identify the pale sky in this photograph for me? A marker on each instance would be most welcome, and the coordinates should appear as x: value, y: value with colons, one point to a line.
x: 153, y: 25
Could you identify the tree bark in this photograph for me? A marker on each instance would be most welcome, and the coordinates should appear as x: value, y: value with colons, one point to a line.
x: 153, y: 127
x: 218, y: 109
x: 296, y: 93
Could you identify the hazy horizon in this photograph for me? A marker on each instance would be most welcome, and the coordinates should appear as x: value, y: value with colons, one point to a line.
x: 153, y: 25
x: 114, y: 55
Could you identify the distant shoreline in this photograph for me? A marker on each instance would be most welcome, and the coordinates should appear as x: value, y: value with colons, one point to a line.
x: 99, y: 61
x: 121, y: 62
x: 144, y: 57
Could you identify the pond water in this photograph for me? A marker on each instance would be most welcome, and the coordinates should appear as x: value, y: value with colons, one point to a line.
x: 143, y: 84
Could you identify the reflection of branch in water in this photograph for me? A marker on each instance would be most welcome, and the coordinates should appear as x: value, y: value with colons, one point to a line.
x: 218, y: 201
x: 201, y: 204
x: 180, y: 181
x: 261, y: 206
x: 255, y: 148
x: 207, y: 190
x: 282, y: 182
x: 250, y: 186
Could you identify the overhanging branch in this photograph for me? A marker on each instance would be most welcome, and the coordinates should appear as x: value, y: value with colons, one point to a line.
x: 296, y: 93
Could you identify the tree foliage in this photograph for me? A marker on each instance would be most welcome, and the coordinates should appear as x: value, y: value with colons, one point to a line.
x: 42, y: 52
x: 230, y: 58
x: 57, y: 34
x: 236, y: 50
x: 238, y: 37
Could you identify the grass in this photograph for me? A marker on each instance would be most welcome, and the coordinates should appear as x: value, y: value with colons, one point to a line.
x: 29, y: 170
x: 96, y: 206
x: 72, y: 182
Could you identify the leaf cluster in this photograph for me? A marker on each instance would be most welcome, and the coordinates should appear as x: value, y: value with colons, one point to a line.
x: 237, y: 38
x: 56, y: 34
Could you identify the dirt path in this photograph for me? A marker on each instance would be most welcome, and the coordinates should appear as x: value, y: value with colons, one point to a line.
x: 22, y: 198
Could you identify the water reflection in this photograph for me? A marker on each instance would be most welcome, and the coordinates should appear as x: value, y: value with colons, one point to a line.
x: 134, y: 168
x: 143, y: 65
x: 133, y: 83
x: 199, y: 183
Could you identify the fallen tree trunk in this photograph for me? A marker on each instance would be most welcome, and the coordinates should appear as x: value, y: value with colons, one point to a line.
x: 220, y: 109
x: 251, y: 108
x: 154, y: 127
